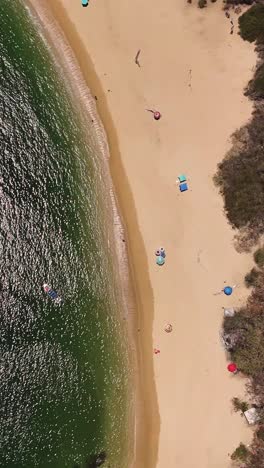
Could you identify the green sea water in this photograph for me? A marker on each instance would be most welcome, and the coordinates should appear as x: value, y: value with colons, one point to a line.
x: 64, y: 369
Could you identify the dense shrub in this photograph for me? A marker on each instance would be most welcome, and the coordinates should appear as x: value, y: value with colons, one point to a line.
x: 246, y: 331
x: 256, y: 455
x: 251, y: 24
x: 260, y: 433
x: 259, y: 257
x: 239, y: 2
x: 239, y: 405
x: 202, y: 3
x: 255, y: 88
x: 255, y: 389
x: 251, y: 278
x: 240, y: 178
x: 241, y: 453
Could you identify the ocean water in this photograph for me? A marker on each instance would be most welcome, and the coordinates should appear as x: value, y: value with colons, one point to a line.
x: 64, y: 369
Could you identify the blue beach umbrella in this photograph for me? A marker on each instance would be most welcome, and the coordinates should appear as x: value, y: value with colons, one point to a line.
x: 228, y: 290
x: 160, y: 260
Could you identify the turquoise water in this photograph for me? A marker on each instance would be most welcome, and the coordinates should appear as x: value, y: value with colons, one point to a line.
x: 64, y: 376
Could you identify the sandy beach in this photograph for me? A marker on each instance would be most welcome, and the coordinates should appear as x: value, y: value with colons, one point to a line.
x: 194, y: 72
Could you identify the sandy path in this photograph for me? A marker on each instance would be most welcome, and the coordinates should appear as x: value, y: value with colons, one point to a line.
x: 200, y: 109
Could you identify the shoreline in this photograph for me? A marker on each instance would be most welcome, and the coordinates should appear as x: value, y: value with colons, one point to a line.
x: 175, y: 293
x: 122, y: 203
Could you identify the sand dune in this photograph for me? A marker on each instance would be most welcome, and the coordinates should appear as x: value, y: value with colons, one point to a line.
x: 194, y: 72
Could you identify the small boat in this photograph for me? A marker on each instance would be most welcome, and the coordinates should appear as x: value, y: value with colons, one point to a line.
x: 52, y: 294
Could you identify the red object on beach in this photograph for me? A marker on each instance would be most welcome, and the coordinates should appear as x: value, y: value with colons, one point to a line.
x: 156, y: 351
x: 232, y: 367
x: 157, y: 115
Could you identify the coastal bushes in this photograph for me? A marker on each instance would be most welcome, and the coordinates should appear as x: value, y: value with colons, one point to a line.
x: 255, y: 89
x: 239, y: 2
x: 260, y: 433
x: 240, y: 178
x: 251, y: 278
x: 259, y: 257
x: 239, y: 405
x: 256, y: 455
x: 245, y: 331
x: 241, y: 453
x: 251, y: 24
x: 202, y: 3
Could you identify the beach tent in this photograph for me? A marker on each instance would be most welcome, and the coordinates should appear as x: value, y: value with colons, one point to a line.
x: 228, y: 290
x: 182, y: 178
x: 160, y: 260
x: 230, y: 312
x: 251, y: 416
x: 183, y: 187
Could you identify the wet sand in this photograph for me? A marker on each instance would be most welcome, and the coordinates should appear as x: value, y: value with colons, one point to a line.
x: 193, y: 71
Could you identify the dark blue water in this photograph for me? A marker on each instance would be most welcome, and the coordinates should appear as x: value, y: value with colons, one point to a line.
x: 63, y: 368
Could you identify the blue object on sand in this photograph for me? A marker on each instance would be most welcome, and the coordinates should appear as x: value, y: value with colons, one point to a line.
x: 182, y: 178
x: 85, y: 3
x: 228, y: 290
x: 183, y: 187
x: 160, y: 260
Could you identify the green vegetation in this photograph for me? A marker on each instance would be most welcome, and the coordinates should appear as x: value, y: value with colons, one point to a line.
x: 260, y: 433
x: 256, y: 455
x: 251, y: 24
x: 255, y: 88
x: 246, y: 330
x: 241, y: 453
x: 202, y: 3
x: 251, y: 278
x: 239, y: 2
x: 239, y: 405
x: 259, y: 257
x: 240, y: 178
